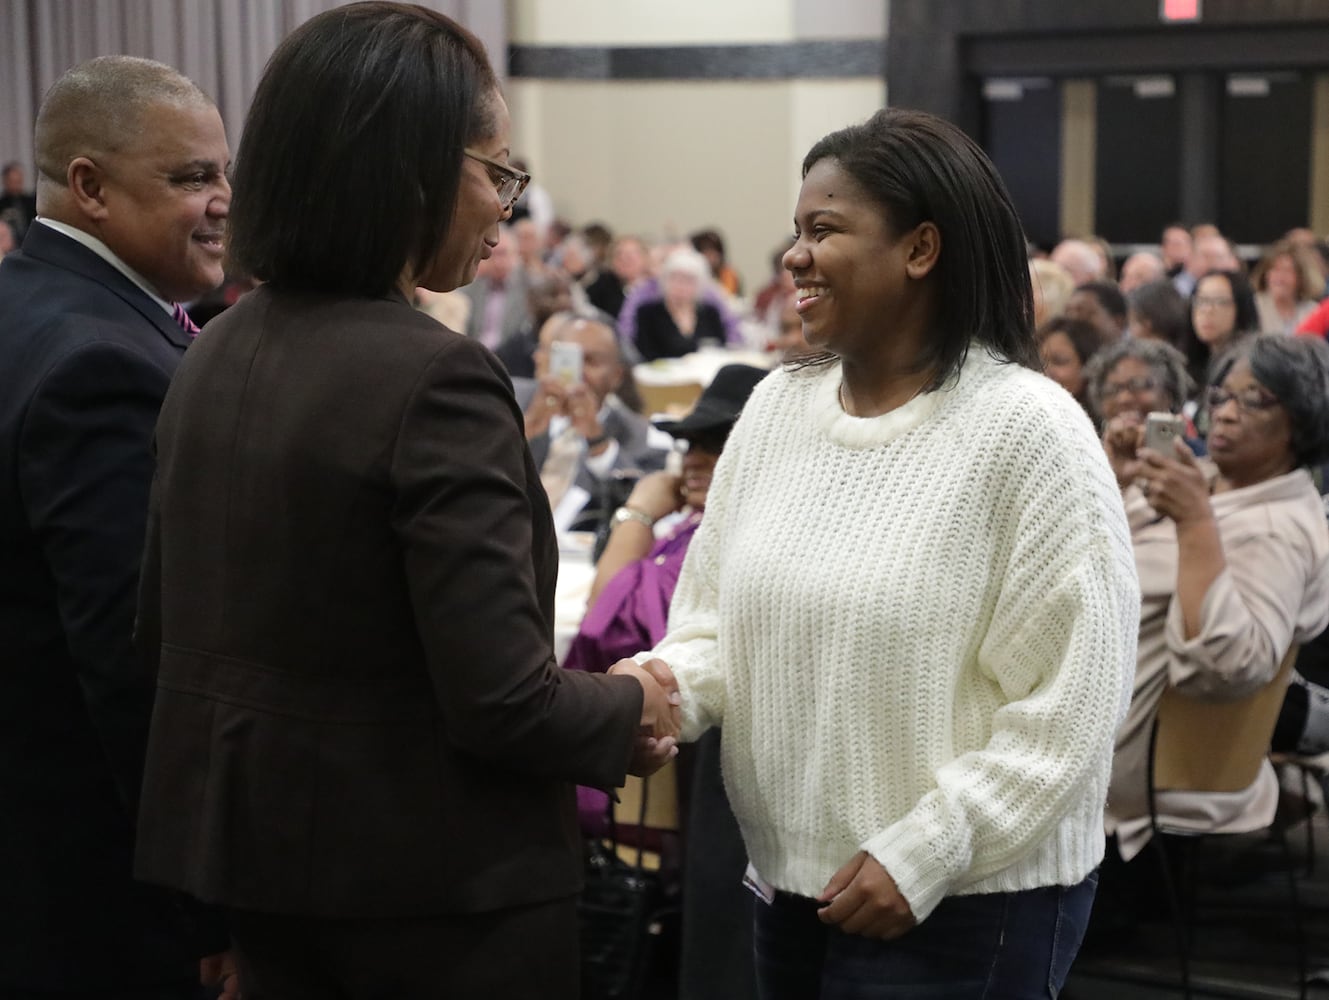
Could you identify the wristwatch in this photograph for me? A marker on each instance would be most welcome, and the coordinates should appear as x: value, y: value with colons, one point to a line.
x: 628, y: 514
x: 595, y: 442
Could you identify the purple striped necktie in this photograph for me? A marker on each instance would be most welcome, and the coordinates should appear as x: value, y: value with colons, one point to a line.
x: 182, y: 318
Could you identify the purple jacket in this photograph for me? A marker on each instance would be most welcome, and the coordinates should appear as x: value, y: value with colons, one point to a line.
x: 630, y: 615
x: 633, y: 609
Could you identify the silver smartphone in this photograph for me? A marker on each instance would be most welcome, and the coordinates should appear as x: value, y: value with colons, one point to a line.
x: 565, y: 361
x: 1161, y: 429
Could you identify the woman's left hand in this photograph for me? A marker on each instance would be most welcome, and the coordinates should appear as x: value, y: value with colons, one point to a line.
x: 862, y: 898
x: 1175, y: 485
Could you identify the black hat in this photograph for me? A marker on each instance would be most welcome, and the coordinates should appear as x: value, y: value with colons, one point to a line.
x: 720, y: 402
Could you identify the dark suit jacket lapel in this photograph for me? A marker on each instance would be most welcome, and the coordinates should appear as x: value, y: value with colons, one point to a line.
x: 45, y: 244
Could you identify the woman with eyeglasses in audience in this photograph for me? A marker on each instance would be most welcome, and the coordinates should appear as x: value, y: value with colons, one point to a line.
x: 1133, y: 378
x: 1222, y: 313
x: 911, y: 604
x: 1233, y: 557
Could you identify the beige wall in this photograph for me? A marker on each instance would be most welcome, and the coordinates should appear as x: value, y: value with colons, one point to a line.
x: 695, y: 22
x: 665, y: 157
x: 650, y: 22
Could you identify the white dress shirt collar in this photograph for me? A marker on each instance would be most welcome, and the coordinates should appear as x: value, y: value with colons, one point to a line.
x: 106, y: 254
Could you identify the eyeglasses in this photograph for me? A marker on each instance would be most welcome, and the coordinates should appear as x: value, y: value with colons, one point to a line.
x: 509, y: 181
x: 1248, y: 400
x: 1141, y: 383
x: 1205, y: 302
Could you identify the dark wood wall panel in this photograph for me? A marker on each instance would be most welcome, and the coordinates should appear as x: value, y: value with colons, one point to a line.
x: 1203, y: 48
x: 936, y: 49
x: 1223, y: 161
x: 1023, y: 137
x: 1137, y: 183
x: 1264, y: 160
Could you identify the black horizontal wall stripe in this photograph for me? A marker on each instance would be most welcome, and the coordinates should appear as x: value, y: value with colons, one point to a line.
x: 700, y: 62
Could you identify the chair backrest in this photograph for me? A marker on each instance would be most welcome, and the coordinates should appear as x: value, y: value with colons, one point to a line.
x: 661, y: 816
x: 674, y: 400
x: 1208, y: 746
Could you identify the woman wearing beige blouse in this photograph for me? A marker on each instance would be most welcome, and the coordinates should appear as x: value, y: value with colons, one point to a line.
x: 1233, y: 558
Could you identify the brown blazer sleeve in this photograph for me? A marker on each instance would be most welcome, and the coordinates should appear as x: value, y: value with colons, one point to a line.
x: 464, y: 515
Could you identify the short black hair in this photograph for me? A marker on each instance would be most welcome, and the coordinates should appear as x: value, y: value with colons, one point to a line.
x: 357, y: 126
x: 708, y: 239
x: 1109, y: 297
x: 921, y: 168
x: 1086, y: 338
x: 1296, y: 371
x: 1164, y: 308
x: 598, y: 235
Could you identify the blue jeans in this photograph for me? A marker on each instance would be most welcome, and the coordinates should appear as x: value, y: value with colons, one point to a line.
x: 1012, y: 946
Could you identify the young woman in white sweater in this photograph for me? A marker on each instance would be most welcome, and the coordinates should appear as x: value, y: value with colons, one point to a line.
x: 912, y: 604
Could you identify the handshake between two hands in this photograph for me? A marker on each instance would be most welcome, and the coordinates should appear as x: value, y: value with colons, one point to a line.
x: 657, y: 738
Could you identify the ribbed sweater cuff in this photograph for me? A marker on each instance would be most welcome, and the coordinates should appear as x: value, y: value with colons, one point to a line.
x: 695, y: 720
x: 906, y: 852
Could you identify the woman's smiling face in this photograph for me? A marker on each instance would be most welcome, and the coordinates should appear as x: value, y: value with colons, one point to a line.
x: 848, y: 263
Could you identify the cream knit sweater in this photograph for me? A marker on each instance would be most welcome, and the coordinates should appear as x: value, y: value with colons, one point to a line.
x: 918, y: 631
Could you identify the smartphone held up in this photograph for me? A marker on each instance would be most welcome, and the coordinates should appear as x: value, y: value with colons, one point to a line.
x: 1161, y: 429
x: 565, y: 362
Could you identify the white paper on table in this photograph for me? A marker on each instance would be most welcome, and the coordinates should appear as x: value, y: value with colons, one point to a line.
x: 572, y: 504
x: 576, y: 574
x: 659, y: 440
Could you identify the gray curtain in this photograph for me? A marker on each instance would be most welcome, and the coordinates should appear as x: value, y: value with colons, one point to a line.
x: 222, y: 45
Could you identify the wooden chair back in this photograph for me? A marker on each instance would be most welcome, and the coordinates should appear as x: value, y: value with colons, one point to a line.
x: 1208, y: 746
x: 673, y: 400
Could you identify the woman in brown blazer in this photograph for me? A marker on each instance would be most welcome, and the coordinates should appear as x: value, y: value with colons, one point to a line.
x: 362, y: 747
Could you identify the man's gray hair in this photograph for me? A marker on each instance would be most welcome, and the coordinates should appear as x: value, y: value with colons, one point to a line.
x: 96, y: 109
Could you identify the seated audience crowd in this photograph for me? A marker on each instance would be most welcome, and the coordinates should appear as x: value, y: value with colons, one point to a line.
x: 1228, y: 524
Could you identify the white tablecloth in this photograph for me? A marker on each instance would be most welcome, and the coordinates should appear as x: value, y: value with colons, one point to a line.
x: 698, y: 368
x: 576, y: 573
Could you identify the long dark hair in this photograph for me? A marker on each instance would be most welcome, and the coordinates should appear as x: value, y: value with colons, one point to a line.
x: 1246, y: 321
x: 921, y: 168
x: 351, y: 156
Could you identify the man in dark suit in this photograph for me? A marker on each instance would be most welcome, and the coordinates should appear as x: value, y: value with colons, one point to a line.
x: 582, y: 434
x: 132, y: 199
